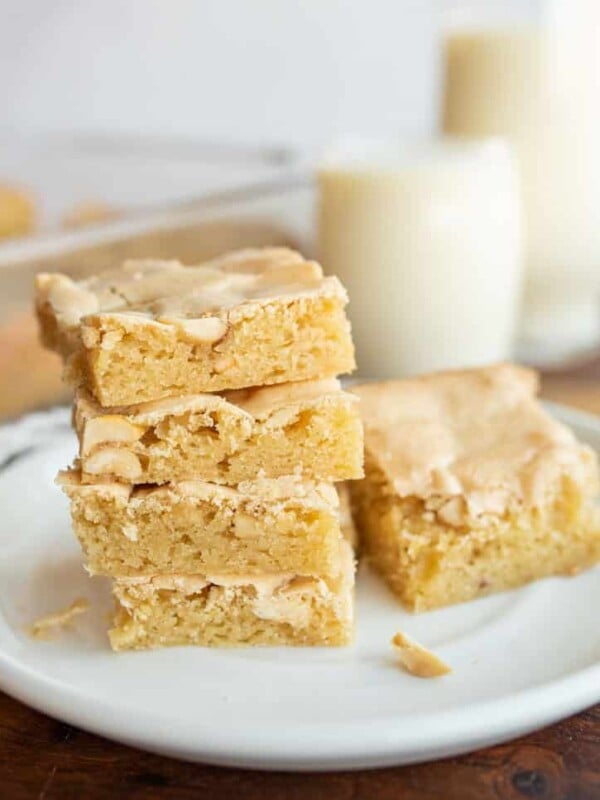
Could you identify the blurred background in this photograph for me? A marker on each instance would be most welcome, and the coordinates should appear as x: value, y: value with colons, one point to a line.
x: 441, y: 156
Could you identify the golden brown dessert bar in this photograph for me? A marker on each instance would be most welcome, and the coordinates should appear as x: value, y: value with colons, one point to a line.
x: 311, y: 429
x: 471, y: 486
x: 155, y: 329
x: 193, y: 527
x: 17, y: 212
x: 229, y: 609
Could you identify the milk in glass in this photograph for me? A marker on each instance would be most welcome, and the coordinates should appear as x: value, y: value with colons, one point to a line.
x: 538, y: 85
x: 426, y: 236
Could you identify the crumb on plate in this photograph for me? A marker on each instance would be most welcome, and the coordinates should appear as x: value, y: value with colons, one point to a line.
x: 416, y: 659
x: 49, y: 625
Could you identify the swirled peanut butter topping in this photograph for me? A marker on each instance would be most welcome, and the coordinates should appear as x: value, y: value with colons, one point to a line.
x: 170, y: 293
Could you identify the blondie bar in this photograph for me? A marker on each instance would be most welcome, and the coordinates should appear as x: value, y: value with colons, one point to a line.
x: 311, y: 429
x: 232, y: 609
x: 471, y: 486
x: 155, y: 329
x: 193, y: 527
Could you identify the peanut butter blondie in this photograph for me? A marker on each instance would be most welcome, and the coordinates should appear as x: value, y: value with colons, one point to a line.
x: 233, y: 609
x: 311, y: 429
x: 155, y: 329
x: 471, y: 486
x: 193, y: 527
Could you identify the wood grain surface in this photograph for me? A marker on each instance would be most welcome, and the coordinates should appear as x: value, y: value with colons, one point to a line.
x: 45, y: 759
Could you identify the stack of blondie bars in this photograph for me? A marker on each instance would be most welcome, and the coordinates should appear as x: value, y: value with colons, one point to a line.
x: 212, y: 430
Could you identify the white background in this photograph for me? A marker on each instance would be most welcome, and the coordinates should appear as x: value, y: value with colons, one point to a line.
x: 269, y: 71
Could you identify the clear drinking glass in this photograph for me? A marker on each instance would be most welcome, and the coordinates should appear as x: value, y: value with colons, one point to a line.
x: 531, y: 72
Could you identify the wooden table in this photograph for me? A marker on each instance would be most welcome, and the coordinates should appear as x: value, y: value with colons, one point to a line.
x: 48, y: 760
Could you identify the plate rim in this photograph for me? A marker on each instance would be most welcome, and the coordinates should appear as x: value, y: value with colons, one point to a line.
x: 442, y: 734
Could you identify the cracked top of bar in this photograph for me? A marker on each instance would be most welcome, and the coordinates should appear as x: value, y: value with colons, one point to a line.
x: 169, y: 292
x: 478, y: 441
x: 145, y: 310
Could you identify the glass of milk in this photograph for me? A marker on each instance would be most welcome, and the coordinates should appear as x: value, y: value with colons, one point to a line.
x: 535, y: 79
x: 426, y: 236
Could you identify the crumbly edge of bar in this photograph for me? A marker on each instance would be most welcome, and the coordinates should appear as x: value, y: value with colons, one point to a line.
x: 305, y: 613
x: 429, y: 564
x: 51, y: 335
x: 162, y: 531
x: 320, y: 440
x: 261, y: 493
x: 304, y: 339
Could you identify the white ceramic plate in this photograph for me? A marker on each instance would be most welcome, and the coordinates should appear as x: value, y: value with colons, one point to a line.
x: 521, y: 660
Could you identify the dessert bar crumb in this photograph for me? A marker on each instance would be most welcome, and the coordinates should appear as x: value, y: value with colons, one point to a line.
x: 51, y: 625
x: 416, y: 659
